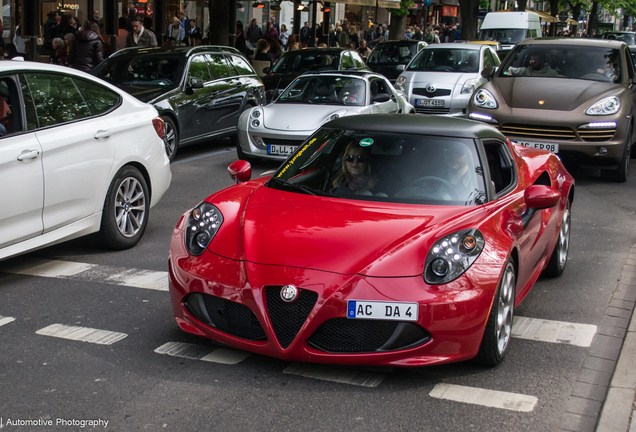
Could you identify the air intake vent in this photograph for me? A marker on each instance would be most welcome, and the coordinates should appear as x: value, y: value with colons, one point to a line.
x: 288, y: 318
x: 534, y: 132
x: 432, y: 110
x: 597, y: 134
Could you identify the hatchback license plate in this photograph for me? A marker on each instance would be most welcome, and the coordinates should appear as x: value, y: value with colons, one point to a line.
x: 554, y: 148
x: 430, y: 102
x: 281, y: 150
x: 399, y: 311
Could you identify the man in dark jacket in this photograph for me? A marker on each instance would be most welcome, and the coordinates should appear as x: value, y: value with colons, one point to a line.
x: 140, y: 36
x: 87, y: 49
x: 253, y: 34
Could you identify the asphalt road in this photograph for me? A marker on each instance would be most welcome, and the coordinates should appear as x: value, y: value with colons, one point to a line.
x: 128, y: 384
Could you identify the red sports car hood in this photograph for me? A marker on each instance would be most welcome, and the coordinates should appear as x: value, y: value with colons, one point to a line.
x: 556, y: 93
x: 337, y: 235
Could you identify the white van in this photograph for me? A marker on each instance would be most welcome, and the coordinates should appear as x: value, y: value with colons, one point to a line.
x: 509, y: 28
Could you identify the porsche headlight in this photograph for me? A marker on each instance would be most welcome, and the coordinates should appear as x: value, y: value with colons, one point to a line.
x: 399, y: 83
x: 484, y: 99
x: 203, y: 224
x: 607, y: 106
x: 470, y: 85
x: 452, y: 255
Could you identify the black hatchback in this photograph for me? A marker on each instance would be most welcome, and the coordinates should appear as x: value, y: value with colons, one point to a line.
x: 200, y: 92
x: 387, y: 56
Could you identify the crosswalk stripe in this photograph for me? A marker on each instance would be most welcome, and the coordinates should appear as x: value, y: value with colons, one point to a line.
x: 147, y: 279
x: 484, y: 397
x: 204, y: 353
x: 83, y: 334
x: 5, y: 320
x: 553, y: 331
x: 357, y: 377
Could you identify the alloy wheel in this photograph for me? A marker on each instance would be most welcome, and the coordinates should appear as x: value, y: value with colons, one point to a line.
x: 130, y: 207
x: 505, y: 307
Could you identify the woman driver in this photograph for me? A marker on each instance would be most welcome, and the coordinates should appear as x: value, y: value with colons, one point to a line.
x: 355, y: 174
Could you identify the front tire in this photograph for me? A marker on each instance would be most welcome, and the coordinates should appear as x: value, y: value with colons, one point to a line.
x: 171, y: 140
x: 499, y: 326
x: 126, y: 208
x: 559, y: 257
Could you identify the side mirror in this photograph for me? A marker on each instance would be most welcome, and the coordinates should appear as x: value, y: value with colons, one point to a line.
x: 541, y: 197
x: 240, y: 171
x: 400, y: 68
x: 196, y: 83
x: 266, y: 70
x: 488, y: 72
x: 381, y: 97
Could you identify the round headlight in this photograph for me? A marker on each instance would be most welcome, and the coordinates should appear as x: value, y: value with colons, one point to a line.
x: 256, y: 123
x: 484, y: 99
x: 256, y: 113
x: 202, y: 239
x: 439, y: 267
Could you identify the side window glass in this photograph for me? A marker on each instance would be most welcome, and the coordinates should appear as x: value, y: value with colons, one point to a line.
x: 10, y: 116
x: 357, y: 60
x: 495, y: 58
x: 100, y: 99
x: 501, y: 166
x: 29, y: 106
x: 57, y: 99
x: 241, y: 65
x: 630, y: 63
x: 199, y: 69
x: 219, y: 67
x: 346, y: 61
x: 488, y: 61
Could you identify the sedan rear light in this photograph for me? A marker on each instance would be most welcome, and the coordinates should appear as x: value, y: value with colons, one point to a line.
x: 160, y: 127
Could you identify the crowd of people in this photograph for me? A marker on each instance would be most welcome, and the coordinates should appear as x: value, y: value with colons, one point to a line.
x: 269, y: 41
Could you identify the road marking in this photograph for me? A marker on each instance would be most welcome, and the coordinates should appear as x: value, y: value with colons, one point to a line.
x: 83, y: 334
x: 483, y: 397
x: 227, y: 150
x: 5, y: 320
x: 336, y: 374
x: 553, y: 331
x: 204, y: 353
x: 137, y: 278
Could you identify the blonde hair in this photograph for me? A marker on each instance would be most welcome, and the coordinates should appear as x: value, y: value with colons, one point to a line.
x: 344, y: 172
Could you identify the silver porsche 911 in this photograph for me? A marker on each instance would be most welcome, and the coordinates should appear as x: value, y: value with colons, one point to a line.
x: 275, y: 130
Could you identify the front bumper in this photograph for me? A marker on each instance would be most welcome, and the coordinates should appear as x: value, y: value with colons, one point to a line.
x: 211, y: 288
x: 602, y: 147
x: 255, y: 142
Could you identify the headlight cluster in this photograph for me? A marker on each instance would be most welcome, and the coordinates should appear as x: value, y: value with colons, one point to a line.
x: 484, y: 99
x: 452, y: 255
x: 469, y: 86
x: 399, y: 83
x: 203, y: 224
x: 255, y: 117
x: 607, y: 106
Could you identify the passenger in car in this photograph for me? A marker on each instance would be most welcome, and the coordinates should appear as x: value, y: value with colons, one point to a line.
x: 459, y: 169
x: 355, y: 172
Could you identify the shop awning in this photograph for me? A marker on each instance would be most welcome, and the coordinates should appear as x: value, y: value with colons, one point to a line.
x: 356, y: 2
x: 571, y: 21
x: 389, y: 4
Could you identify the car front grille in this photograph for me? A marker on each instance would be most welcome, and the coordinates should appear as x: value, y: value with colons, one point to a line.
x: 288, y: 318
x: 224, y: 315
x: 280, y: 141
x: 596, y: 134
x: 432, y: 110
x: 436, y: 93
x: 343, y: 335
x: 538, y: 132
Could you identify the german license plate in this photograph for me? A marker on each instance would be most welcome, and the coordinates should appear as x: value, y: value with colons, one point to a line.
x: 399, y: 311
x: 281, y: 150
x: 430, y: 102
x: 554, y: 148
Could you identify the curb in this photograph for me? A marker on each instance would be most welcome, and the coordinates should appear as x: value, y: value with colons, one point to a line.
x: 618, y: 407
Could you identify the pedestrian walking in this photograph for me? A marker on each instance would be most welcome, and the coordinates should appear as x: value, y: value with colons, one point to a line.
x: 140, y: 36
x: 87, y: 50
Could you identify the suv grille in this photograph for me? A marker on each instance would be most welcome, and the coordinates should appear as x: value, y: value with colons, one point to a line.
x: 288, y: 318
x: 224, y: 315
x: 538, y: 132
x: 436, y: 93
x: 596, y: 134
x: 343, y: 335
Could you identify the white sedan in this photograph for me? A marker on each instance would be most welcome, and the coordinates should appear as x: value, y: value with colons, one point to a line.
x: 77, y: 156
x: 274, y: 131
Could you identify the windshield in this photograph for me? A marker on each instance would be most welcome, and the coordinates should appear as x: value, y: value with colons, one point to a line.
x: 504, y: 36
x: 385, y: 167
x: 564, y: 61
x: 303, y: 61
x: 446, y: 60
x: 392, y: 54
x: 147, y: 70
x: 628, y: 38
x: 325, y: 89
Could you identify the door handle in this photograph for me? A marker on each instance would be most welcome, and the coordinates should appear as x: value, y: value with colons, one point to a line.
x: 28, y: 155
x: 102, y: 134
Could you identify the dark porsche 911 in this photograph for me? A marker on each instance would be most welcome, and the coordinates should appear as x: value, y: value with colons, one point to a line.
x: 200, y: 92
x: 574, y: 97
